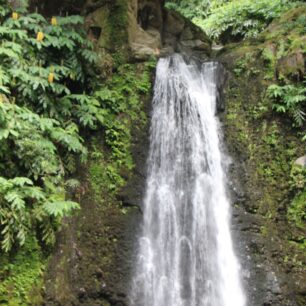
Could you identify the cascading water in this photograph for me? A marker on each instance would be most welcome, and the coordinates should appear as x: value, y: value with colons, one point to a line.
x: 185, y: 255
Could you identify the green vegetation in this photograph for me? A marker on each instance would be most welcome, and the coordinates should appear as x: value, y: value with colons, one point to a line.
x: 297, y: 210
x: 42, y: 63
x: 192, y: 8
x: 232, y: 19
x: 103, y: 219
x: 289, y: 99
x: 120, y: 98
x: 46, y: 82
x: 279, y: 50
x: 49, y: 98
x: 282, y: 54
x: 242, y: 18
x: 20, y: 279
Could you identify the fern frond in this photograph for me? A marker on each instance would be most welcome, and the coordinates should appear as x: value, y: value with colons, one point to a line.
x: 60, y: 208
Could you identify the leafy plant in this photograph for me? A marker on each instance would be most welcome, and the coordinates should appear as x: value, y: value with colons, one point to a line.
x: 21, y: 275
x: 289, y: 99
x: 298, y: 178
x: 190, y: 9
x: 241, y: 18
x: 46, y: 83
x: 24, y: 205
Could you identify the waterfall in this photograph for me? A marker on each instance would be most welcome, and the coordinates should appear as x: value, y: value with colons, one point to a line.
x: 185, y: 255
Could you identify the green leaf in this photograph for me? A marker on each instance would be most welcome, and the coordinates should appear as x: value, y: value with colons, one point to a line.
x: 22, y: 181
x: 15, y: 199
x: 60, y: 208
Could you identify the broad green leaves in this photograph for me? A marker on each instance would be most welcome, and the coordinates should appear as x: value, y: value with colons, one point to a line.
x: 235, y: 18
x: 40, y: 110
x: 190, y: 8
x: 60, y: 208
x: 289, y: 99
x: 17, y: 197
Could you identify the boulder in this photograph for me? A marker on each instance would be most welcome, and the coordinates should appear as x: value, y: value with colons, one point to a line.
x: 155, y: 31
x: 142, y: 52
x: 174, y: 23
x: 196, y: 45
x: 292, y: 65
x: 183, y: 36
x: 98, y: 28
x: 144, y: 28
x: 187, y: 34
x: 301, y: 161
x: 166, y: 51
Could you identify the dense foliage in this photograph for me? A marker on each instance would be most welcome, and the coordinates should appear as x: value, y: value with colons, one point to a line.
x: 44, y: 77
x: 190, y: 9
x: 289, y: 99
x: 48, y: 93
x: 284, y: 66
x: 296, y: 211
x: 233, y: 18
x: 120, y: 99
x: 195, y: 8
x: 242, y: 18
x: 50, y: 98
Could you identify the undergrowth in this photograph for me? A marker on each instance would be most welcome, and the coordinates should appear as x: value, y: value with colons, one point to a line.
x: 121, y: 96
x: 21, y: 276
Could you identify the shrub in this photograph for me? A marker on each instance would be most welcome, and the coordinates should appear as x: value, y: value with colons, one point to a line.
x: 45, y: 93
x: 241, y: 18
x: 289, y: 99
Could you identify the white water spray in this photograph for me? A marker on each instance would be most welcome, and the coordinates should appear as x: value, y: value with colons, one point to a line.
x: 185, y: 255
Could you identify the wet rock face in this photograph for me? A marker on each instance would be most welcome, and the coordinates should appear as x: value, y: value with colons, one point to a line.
x: 183, y: 36
x: 144, y: 28
x: 94, y: 258
x: 262, y: 281
x: 222, y: 76
x: 156, y: 31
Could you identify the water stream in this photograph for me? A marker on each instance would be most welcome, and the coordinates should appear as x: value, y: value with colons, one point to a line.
x: 186, y: 255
